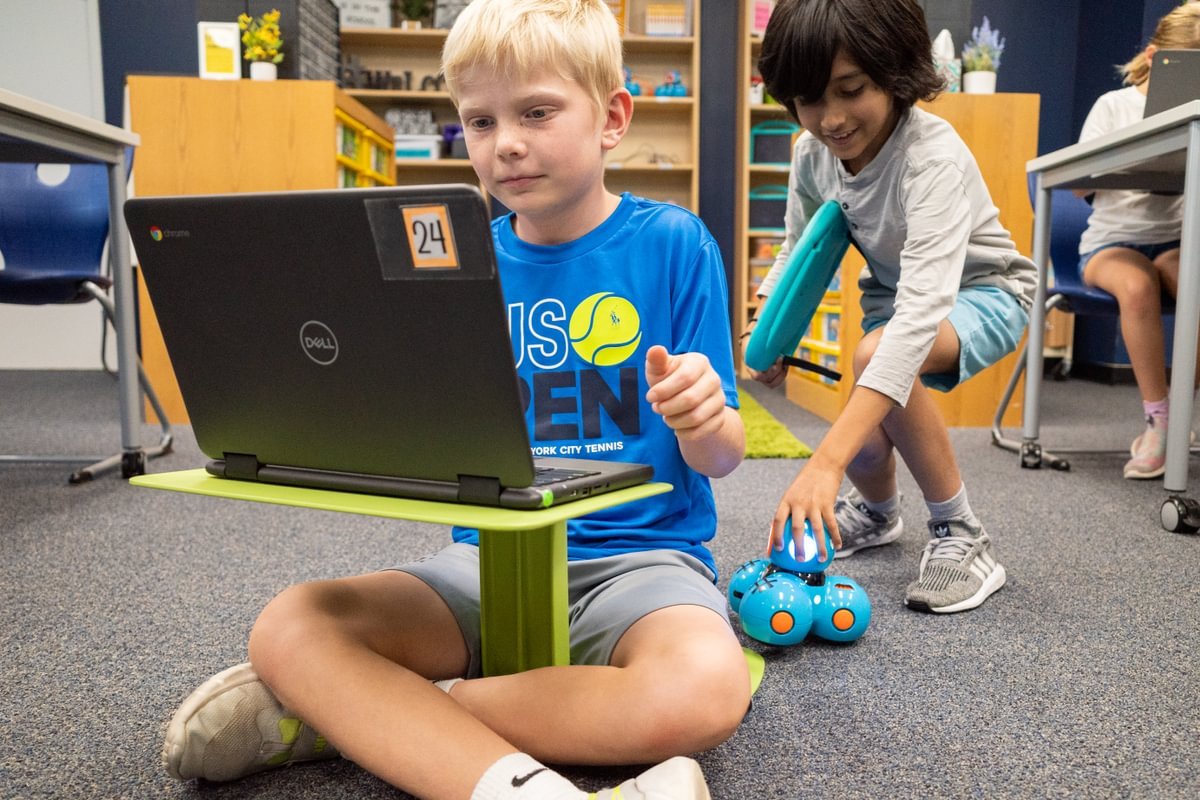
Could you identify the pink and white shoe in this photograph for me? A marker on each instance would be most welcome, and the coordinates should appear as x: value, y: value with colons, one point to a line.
x: 1149, y: 453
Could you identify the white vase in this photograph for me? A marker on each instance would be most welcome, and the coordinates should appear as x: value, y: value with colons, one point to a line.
x: 263, y: 71
x: 979, y: 82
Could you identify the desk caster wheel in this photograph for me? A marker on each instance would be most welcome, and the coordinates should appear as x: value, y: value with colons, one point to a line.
x: 1180, y: 515
x: 133, y: 462
x: 1031, y: 455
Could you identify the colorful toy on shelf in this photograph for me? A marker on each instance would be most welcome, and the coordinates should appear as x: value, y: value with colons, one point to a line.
x: 781, y: 600
x: 673, y: 87
x: 633, y: 87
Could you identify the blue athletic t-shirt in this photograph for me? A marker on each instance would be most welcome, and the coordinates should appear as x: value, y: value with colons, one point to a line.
x: 582, y: 316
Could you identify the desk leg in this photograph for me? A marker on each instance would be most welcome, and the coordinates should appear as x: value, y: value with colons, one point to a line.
x: 1031, y: 455
x: 523, y: 599
x: 133, y: 460
x: 1187, y: 317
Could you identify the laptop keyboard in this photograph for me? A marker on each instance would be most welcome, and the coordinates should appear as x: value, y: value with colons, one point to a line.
x: 545, y: 475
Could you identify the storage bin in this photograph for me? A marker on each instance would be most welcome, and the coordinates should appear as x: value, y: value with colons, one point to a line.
x: 768, y: 205
x: 418, y: 145
x: 771, y: 142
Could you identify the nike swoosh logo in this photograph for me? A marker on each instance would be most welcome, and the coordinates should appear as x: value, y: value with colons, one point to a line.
x: 521, y: 781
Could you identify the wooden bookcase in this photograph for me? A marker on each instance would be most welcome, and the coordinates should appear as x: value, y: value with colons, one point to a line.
x: 209, y: 137
x: 1000, y: 130
x: 657, y: 159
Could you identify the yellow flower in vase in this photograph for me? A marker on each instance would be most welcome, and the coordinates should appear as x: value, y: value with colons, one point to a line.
x: 261, y: 39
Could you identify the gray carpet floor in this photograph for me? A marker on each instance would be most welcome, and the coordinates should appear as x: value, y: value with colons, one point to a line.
x: 1079, y: 679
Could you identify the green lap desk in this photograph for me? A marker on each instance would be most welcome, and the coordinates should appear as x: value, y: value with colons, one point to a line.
x: 522, y: 555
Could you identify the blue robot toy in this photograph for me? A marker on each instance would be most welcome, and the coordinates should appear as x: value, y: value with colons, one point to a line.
x: 783, y: 599
x: 634, y: 88
x: 673, y: 87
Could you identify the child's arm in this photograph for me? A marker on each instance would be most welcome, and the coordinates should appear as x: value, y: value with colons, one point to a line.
x: 812, y: 494
x: 686, y: 391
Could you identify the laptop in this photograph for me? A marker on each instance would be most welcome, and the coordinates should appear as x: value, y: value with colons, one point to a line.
x: 1174, y: 80
x: 351, y: 339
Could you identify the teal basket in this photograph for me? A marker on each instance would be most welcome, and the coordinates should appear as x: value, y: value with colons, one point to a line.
x: 768, y: 206
x: 771, y: 142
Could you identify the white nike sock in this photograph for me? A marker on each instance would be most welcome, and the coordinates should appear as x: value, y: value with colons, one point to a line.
x: 518, y: 776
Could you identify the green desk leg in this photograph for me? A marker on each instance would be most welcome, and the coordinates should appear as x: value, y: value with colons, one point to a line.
x: 523, y: 599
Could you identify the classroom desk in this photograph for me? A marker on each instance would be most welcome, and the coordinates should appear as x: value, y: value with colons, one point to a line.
x: 35, y: 132
x: 1160, y: 153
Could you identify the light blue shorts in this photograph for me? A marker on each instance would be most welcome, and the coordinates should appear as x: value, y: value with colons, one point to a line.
x: 606, y: 595
x: 989, y: 322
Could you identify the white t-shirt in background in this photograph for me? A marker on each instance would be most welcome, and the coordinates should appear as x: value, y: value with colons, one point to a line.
x: 1119, y: 215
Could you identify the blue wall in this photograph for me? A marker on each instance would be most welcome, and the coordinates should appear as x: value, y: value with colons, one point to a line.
x: 1067, y: 51
x: 144, y: 37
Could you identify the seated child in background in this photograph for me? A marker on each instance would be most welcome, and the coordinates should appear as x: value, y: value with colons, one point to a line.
x: 1131, y: 246
x: 944, y: 293
x: 657, y: 672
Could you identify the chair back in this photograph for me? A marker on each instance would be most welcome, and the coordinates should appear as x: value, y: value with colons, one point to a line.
x: 1068, y: 220
x: 52, y: 231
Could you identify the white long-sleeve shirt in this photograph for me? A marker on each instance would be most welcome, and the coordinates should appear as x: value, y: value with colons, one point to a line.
x: 923, y: 219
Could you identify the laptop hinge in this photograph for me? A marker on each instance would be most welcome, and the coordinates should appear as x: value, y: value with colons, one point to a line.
x: 241, y: 466
x: 478, y: 490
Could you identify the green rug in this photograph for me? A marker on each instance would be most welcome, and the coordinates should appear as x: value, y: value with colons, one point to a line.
x: 766, y: 437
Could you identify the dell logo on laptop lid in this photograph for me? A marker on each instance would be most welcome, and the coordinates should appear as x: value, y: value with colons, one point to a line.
x: 318, y: 342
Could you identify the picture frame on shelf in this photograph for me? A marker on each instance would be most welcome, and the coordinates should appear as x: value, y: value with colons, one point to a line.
x: 220, y: 50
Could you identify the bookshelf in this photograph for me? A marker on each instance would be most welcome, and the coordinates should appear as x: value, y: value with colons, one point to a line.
x: 657, y: 159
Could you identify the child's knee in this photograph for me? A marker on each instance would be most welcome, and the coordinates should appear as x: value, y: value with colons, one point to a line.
x: 282, y: 623
x: 865, y: 351
x: 1140, y: 292
x: 702, y: 707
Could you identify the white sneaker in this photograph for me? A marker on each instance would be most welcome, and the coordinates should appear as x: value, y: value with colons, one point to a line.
x: 958, y: 570
x: 861, y: 527
x: 1149, y: 451
x: 677, y: 778
x: 232, y: 726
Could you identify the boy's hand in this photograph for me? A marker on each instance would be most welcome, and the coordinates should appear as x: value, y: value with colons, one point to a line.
x: 810, y: 497
x: 775, y: 374
x: 686, y: 391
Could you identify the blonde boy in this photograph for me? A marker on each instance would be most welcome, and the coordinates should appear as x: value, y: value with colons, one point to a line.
x: 656, y: 670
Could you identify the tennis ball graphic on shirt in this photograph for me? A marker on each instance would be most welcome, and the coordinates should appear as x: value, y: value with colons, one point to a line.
x: 605, y: 329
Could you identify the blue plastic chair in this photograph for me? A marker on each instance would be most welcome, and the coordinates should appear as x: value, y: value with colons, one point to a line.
x: 53, y: 248
x: 1068, y: 220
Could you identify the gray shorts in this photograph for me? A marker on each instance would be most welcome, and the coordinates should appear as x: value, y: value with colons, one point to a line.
x: 606, y: 595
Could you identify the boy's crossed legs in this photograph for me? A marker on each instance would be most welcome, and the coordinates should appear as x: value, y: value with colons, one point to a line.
x: 354, y: 658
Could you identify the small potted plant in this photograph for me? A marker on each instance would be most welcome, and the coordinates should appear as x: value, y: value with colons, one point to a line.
x: 981, y: 58
x: 262, y: 44
x: 411, y: 14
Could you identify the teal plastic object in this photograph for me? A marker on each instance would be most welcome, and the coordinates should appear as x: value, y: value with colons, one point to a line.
x: 789, y: 310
